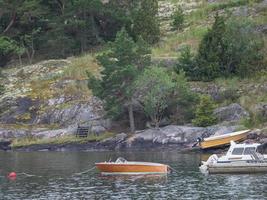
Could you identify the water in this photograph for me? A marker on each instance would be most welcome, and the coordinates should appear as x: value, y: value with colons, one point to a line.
x: 59, y: 181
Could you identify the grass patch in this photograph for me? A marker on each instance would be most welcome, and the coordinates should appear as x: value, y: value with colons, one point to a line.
x: 170, y: 47
x: 41, y: 89
x: 29, y: 126
x: 79, y: 66
x: 31, y: 140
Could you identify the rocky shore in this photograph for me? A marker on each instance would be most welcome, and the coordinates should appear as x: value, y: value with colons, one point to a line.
x: 175, y: 137
x: 50, y: 104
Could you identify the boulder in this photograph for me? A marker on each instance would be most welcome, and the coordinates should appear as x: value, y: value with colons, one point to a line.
x: 114, y: 142
x: 172, y: 134
x: 8, y: 133
x: 261, y: 111
x: 233, y: 112
x: 81, y: 113
x: 54, y: 133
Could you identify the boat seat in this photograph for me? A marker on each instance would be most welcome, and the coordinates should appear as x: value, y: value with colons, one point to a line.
x: 257, y: 157
x: 121, y: 160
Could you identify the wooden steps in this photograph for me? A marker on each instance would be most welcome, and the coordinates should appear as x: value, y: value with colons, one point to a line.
x: 83, y: 131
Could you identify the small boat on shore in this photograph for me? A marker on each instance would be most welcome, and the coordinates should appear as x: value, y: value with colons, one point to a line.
x: 221, y: 140
x: 122, y: 166
x: 240, y: 158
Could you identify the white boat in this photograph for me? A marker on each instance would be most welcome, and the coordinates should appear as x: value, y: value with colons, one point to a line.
x: 240, y: 158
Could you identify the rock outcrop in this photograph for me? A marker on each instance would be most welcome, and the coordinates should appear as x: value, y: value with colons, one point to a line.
x: 172, y: 134
x: 233, y: 112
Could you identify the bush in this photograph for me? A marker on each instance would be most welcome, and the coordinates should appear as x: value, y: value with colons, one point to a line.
x: 154, y: 89
x: 204, y: 112
x: 230, y: 48
x: 7, y: 48
x: 178, y: 18
x: 186, y: 62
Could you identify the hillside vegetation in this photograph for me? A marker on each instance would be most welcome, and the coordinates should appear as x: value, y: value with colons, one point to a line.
x: 66, y: 79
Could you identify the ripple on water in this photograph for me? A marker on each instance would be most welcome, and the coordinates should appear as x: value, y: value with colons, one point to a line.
x: 59, y: 181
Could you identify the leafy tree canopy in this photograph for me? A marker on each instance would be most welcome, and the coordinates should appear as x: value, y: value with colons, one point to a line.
x: 122, y: 62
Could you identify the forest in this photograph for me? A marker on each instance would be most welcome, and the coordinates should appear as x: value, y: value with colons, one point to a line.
x: 41, y: 29
x: 122, y: 34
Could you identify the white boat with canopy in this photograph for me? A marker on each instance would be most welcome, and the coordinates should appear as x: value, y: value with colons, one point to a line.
x: 240, y: 158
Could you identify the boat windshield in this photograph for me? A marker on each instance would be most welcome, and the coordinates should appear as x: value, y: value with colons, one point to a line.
x: 237, y: 151
x: 243, y: 151
x: 249, y: 150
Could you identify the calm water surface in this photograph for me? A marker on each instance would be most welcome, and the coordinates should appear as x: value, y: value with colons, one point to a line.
x: 59, y: 181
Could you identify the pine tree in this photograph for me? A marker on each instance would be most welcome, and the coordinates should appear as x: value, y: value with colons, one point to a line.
x: 209, y: 60
x: 178, y: 18
x: 204, y: 112
x: 145, y: 21
x: 121, y: 62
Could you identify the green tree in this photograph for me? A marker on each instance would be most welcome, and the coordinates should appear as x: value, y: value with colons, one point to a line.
x: 154, y: 89
x: 186, y: 63
x: 182, y: 105
x: 230, y: 47
x: 145, y: 21
x: 204, y: 112
x: 244, y: 53
x: 211, y: 49
x: 122, y: 62
x: 8, y: 48
x: 178, y: 18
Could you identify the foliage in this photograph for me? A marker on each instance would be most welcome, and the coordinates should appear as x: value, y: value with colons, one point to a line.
x: 183, y: 103
x: 178, y: 18
x: 154, y: 89
x: 145, y: 21
x: 8, y: 48
x: 186, y: 62
x: 230, y: 47
x: 61, y: 28
x: 122, y: 62
x: 204, y: 112
x: 161, y: 92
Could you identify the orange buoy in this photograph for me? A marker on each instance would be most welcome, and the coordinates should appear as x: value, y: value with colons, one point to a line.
x: 12, y: 175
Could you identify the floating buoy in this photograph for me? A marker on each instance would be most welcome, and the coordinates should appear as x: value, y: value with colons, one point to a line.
x: 12, y: 175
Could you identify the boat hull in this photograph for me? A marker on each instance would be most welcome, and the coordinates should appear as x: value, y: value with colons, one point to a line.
x: 246, y: 168
x: 115, y: 168
x: 222, y: 141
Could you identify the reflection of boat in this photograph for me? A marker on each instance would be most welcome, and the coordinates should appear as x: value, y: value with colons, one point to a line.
x: 215, y: 141
x: 240, y: 158
x: 122, y: 166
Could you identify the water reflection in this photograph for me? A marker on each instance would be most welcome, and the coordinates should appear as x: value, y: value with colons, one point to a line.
x: 59, y: 180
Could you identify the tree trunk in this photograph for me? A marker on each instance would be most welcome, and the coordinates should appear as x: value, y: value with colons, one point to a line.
x: 10, y: 23
x: 20, y: 60
x: 131, y: 117
x: 94, y: 28
x: 157, y: 124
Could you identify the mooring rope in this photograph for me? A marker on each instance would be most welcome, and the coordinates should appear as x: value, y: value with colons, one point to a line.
x: 28, y: 175
x: 173, y: 170
x: 80, y: 173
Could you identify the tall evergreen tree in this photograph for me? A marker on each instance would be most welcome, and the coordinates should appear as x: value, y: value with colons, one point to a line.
x: 211, y: 49
x: 121, y: 62
x: 145, y: 20
x: 204, y: 112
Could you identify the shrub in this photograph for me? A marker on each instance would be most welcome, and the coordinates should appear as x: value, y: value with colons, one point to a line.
x: 178, y: 18
x: 7, y: 48
x: 231, y: 47
x: 186, y: 62
x: 204, y: 112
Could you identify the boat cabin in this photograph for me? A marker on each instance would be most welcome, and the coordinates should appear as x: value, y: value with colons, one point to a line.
x: 243, y: 152
x: 242, y: 149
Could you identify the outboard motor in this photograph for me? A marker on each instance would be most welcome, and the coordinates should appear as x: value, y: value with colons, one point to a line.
x: 204, y: 168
